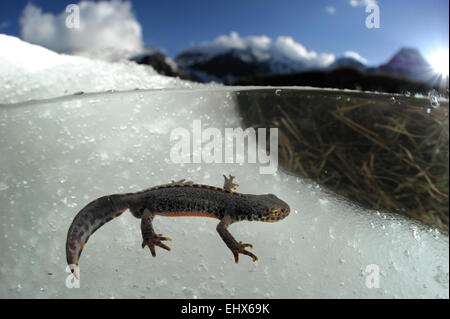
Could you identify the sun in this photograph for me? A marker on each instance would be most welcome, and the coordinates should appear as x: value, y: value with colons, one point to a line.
x: 439, y: 61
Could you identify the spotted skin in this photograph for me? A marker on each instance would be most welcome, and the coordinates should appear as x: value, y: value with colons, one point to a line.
x: 174, y: 200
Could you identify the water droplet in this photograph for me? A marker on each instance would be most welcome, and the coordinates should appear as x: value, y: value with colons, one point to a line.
x: 278, y: 92
x: 331, y: 232
x: 392, y: 100
x: 203, y: 267
x: 433, y: 96
x: 428, y: 110
x: 3, y: 186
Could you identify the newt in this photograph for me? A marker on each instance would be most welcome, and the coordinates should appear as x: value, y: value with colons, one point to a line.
x: 172, y: 200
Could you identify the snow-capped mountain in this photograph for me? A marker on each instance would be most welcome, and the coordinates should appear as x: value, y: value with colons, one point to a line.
x: 347, y: 62
x: 235, y: 63
x: 231, y: 56
x: 409, y: 63
x: 223, y: 67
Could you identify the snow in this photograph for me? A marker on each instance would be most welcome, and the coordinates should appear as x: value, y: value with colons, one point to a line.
x: 33, y: 72
x: 356, y: 56
x: 61, y: 151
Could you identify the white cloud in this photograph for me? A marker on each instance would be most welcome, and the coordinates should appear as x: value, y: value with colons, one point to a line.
x: 356, y: 56
x: 102, y: 25
x: 330, y: 9
x: 283, y: 47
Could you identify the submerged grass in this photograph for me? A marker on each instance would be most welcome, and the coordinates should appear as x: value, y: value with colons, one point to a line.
x: 384, y: 152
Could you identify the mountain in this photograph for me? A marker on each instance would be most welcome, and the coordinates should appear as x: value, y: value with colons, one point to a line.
x: 223, y: 67
x: 409, y: 63
x: 228, y: 65
x: 347, y: 62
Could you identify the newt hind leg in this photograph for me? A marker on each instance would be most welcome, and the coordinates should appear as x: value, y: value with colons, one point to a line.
x: 150, y: 238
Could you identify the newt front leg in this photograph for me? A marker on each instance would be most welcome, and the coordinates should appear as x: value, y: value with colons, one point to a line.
x: 149, y: 237
x: 235, y: 247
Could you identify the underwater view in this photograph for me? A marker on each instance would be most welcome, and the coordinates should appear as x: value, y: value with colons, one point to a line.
x: 297, y: 177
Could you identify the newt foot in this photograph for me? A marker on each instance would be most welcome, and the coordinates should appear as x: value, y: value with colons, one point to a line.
x: 155, y: 240
x: 240, y: 249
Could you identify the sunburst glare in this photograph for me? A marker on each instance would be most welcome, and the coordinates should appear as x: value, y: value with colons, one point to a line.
x: 439, y: 61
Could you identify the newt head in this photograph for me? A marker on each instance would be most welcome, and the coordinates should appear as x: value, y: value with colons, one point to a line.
x: 273, y: 209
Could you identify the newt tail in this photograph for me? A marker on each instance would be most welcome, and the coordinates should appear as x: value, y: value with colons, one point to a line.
x: 173, y: 200
x: 87, y: 221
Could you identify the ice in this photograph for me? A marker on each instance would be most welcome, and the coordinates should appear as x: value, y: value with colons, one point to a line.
x: 59, y: 153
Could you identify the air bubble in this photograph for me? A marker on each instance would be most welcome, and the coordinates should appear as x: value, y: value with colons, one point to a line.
x: 392, y: 100
x: 433, y: 96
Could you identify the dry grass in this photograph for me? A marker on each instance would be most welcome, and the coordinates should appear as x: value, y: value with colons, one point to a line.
x: 384, y: 154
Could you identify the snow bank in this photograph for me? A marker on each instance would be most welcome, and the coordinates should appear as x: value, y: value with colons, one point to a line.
x: 61, y: 153
x: 33, y: 72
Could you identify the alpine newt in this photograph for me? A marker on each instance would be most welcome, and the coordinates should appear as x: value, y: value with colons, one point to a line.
x: 176, y: 199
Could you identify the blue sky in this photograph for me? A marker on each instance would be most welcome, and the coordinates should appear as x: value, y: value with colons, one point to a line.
x: 173, y: 25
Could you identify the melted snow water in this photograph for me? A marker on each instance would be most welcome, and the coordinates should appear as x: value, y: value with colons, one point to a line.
x: 59, y: 154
